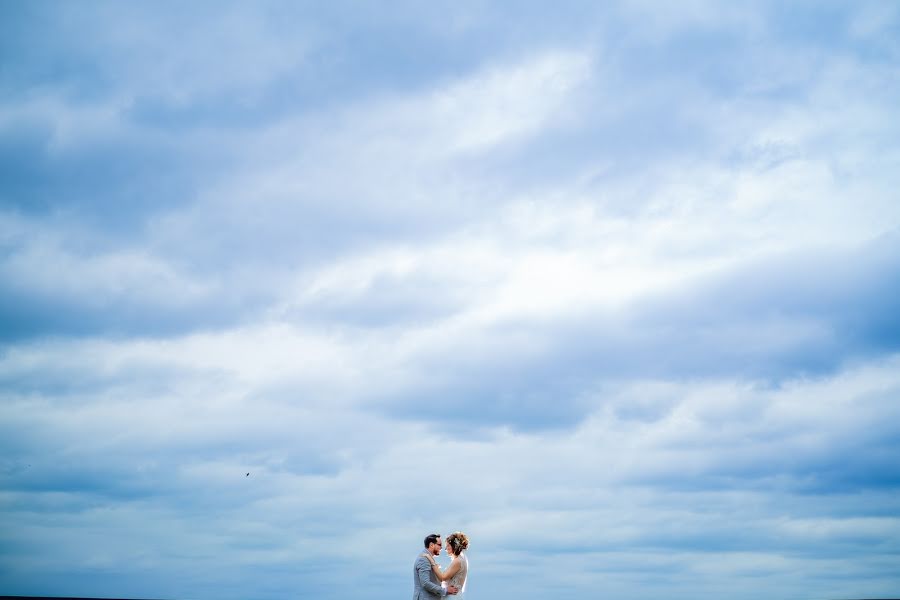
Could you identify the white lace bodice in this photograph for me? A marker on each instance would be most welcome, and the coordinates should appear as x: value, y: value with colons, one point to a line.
x: 459, y: 579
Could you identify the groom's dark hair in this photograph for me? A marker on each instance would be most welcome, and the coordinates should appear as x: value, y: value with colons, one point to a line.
x: 432, y: 539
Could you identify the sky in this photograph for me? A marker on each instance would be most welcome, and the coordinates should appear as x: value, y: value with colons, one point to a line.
x: 613, y: 288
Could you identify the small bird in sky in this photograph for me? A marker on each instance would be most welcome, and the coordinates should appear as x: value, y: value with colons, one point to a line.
x: 247, y: 475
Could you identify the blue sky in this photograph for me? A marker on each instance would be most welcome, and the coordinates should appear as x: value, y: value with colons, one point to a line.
x: 613, y: 289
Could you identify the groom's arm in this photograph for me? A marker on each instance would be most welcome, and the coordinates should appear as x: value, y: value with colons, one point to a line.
x: 423, y: 572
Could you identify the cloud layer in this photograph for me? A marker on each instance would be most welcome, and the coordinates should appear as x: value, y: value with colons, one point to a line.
x: 285, y: 288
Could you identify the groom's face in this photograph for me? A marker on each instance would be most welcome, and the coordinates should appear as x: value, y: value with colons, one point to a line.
x: 435, y: 547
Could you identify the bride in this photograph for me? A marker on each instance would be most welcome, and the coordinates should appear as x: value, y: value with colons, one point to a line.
x: 456, y: 573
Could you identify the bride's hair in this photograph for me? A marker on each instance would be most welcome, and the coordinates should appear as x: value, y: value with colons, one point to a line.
x: 457, y: 542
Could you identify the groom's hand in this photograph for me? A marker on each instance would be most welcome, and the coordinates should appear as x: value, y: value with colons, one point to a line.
x: 452, y: 590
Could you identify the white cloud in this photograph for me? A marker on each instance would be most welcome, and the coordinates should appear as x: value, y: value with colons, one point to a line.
x: 45, y: 267
x: 504, y: 104
x: 69, y: 128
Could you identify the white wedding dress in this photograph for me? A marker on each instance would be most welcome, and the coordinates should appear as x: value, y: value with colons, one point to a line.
x: 459, y: 579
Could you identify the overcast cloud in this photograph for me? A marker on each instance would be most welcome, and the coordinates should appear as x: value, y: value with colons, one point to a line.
x: 285, y: 287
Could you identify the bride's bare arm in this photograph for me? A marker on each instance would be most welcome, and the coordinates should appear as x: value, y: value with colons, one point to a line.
x: 452, y: 570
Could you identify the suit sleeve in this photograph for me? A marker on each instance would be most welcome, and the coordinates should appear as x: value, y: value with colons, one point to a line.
x: 423, y: 572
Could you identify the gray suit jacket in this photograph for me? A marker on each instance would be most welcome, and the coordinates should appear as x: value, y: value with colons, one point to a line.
x: 426, y: 584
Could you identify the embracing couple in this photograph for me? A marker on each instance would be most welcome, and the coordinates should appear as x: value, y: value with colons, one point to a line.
x: 427, y: 574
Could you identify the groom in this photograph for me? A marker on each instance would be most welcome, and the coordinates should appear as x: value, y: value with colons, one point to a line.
x: 427, y: 586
